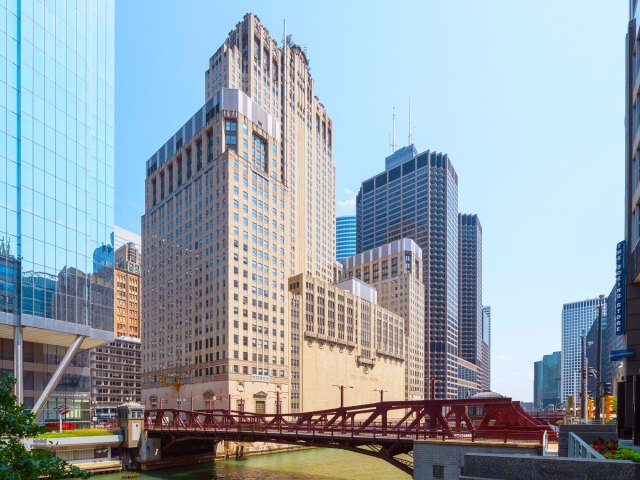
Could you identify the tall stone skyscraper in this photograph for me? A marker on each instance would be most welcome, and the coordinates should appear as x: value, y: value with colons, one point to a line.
x: 240, y: 199
x: 277, y: 78
x: 56, y: 197
x: 472, y: 344
x: 416, y: 197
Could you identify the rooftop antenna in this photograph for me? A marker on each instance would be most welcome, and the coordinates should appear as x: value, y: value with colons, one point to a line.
x: 410, y: 127
x: 393, y: 137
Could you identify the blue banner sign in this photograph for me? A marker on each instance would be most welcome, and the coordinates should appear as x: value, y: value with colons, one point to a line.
x: 616, y: 355
x: 620, y: 287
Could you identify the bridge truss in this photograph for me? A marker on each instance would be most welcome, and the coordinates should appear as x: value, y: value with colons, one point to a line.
x: 385, y: 430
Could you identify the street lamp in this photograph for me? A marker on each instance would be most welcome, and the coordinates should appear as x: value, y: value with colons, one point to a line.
x: 342, y: 387
x: 381, y: 393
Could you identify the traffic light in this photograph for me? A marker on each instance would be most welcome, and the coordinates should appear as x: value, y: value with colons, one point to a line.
x: 591, y: 407
x: 606, y: 387
x: 607, y: 408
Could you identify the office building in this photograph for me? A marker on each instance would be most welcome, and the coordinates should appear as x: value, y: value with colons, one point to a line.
x: 278, y: 79
x: 127, y: 306
x: 56, y: 197
x: 485, y: 380
x: 546, y: 382
x: 627, y: 314
x: 345, y: 237
x: 416, y: 197
x: 342, y: 336
x: 116, y: 368
x: 122, y: 237
x: 395, y: 271
x: 471, y: 316
x: 115, y: 376
x: 577, y: 318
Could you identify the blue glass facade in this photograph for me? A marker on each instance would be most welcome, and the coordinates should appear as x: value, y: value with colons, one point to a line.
x: 345, y: 237
x: 56, y: 172
x: 416, y: 197
x: 546, y: 382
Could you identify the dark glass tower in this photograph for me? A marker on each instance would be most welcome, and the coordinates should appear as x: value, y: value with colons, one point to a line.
x: 416, y: 197
x: 470, y: 296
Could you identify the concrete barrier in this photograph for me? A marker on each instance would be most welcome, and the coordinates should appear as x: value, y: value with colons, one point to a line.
x: 588, y: 433
x: 519, y: 467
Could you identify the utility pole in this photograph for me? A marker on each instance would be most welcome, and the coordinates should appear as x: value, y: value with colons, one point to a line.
x: 599, y: 361
x: 342, y: 387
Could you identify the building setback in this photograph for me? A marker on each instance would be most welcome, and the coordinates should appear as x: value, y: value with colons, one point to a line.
x: 56, y: 198
x: 395, y: 271
x: 416, y: 197
x: 341, y: 336
x: 577, y: 318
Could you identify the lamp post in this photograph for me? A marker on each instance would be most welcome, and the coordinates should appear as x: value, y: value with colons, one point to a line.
x: 342, y: 387
x: 599, y: 359
x: 381, y: 393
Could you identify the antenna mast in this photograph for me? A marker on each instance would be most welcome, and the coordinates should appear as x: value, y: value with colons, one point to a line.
x: 410, y: 127
x: 393, y: 136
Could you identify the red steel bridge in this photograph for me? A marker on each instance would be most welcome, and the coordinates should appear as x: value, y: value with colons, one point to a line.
x: 385, y: 430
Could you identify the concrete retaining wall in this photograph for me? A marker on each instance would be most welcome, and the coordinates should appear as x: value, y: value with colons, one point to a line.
x: 520, y: 467
x: 588, y: 433
x: 448, y: 458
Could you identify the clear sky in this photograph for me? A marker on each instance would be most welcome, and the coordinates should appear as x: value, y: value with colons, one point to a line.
x: 526, y: 97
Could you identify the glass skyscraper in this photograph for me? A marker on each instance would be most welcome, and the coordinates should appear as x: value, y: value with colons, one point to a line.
x: 345, y: 237
x: 56, y: 193
x: 416, y: 197
x: 577, y: 318
x: 546, y: 382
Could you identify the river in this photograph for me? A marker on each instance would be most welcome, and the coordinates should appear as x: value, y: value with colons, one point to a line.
x: 312, y: 464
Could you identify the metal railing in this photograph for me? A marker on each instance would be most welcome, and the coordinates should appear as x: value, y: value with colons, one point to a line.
x: 578, y: 448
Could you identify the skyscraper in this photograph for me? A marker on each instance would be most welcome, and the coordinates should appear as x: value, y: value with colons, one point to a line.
x: 470, y: 295
x: 546, y: 381
x: 416, y: 197
x: 577, y: 318
x: 56, y: 195
x: 627, y: 312
x: 241, y: 198
x: 345, y: 237
x: 278, y: 79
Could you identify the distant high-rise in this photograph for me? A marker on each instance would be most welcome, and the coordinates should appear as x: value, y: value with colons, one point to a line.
x: 345, y: 237
x: 485, y: 363
x: 416, y: 197
x: 471, y: 317
x: 122, y: 237
x: 577, y: 318
x: 56, y: 197
x: 546, y: 381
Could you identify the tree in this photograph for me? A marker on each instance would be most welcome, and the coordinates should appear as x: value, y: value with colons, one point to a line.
x: 16, y: 461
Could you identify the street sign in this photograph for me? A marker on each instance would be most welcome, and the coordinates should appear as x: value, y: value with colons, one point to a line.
x: 616, y: 355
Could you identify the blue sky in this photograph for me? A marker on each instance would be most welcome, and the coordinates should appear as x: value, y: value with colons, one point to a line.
x: 526, y: 97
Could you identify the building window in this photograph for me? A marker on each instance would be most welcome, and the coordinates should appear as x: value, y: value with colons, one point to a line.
x: 438, y: 471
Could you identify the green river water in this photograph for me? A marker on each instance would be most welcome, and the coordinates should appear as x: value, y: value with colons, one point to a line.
x: 312, y: 464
